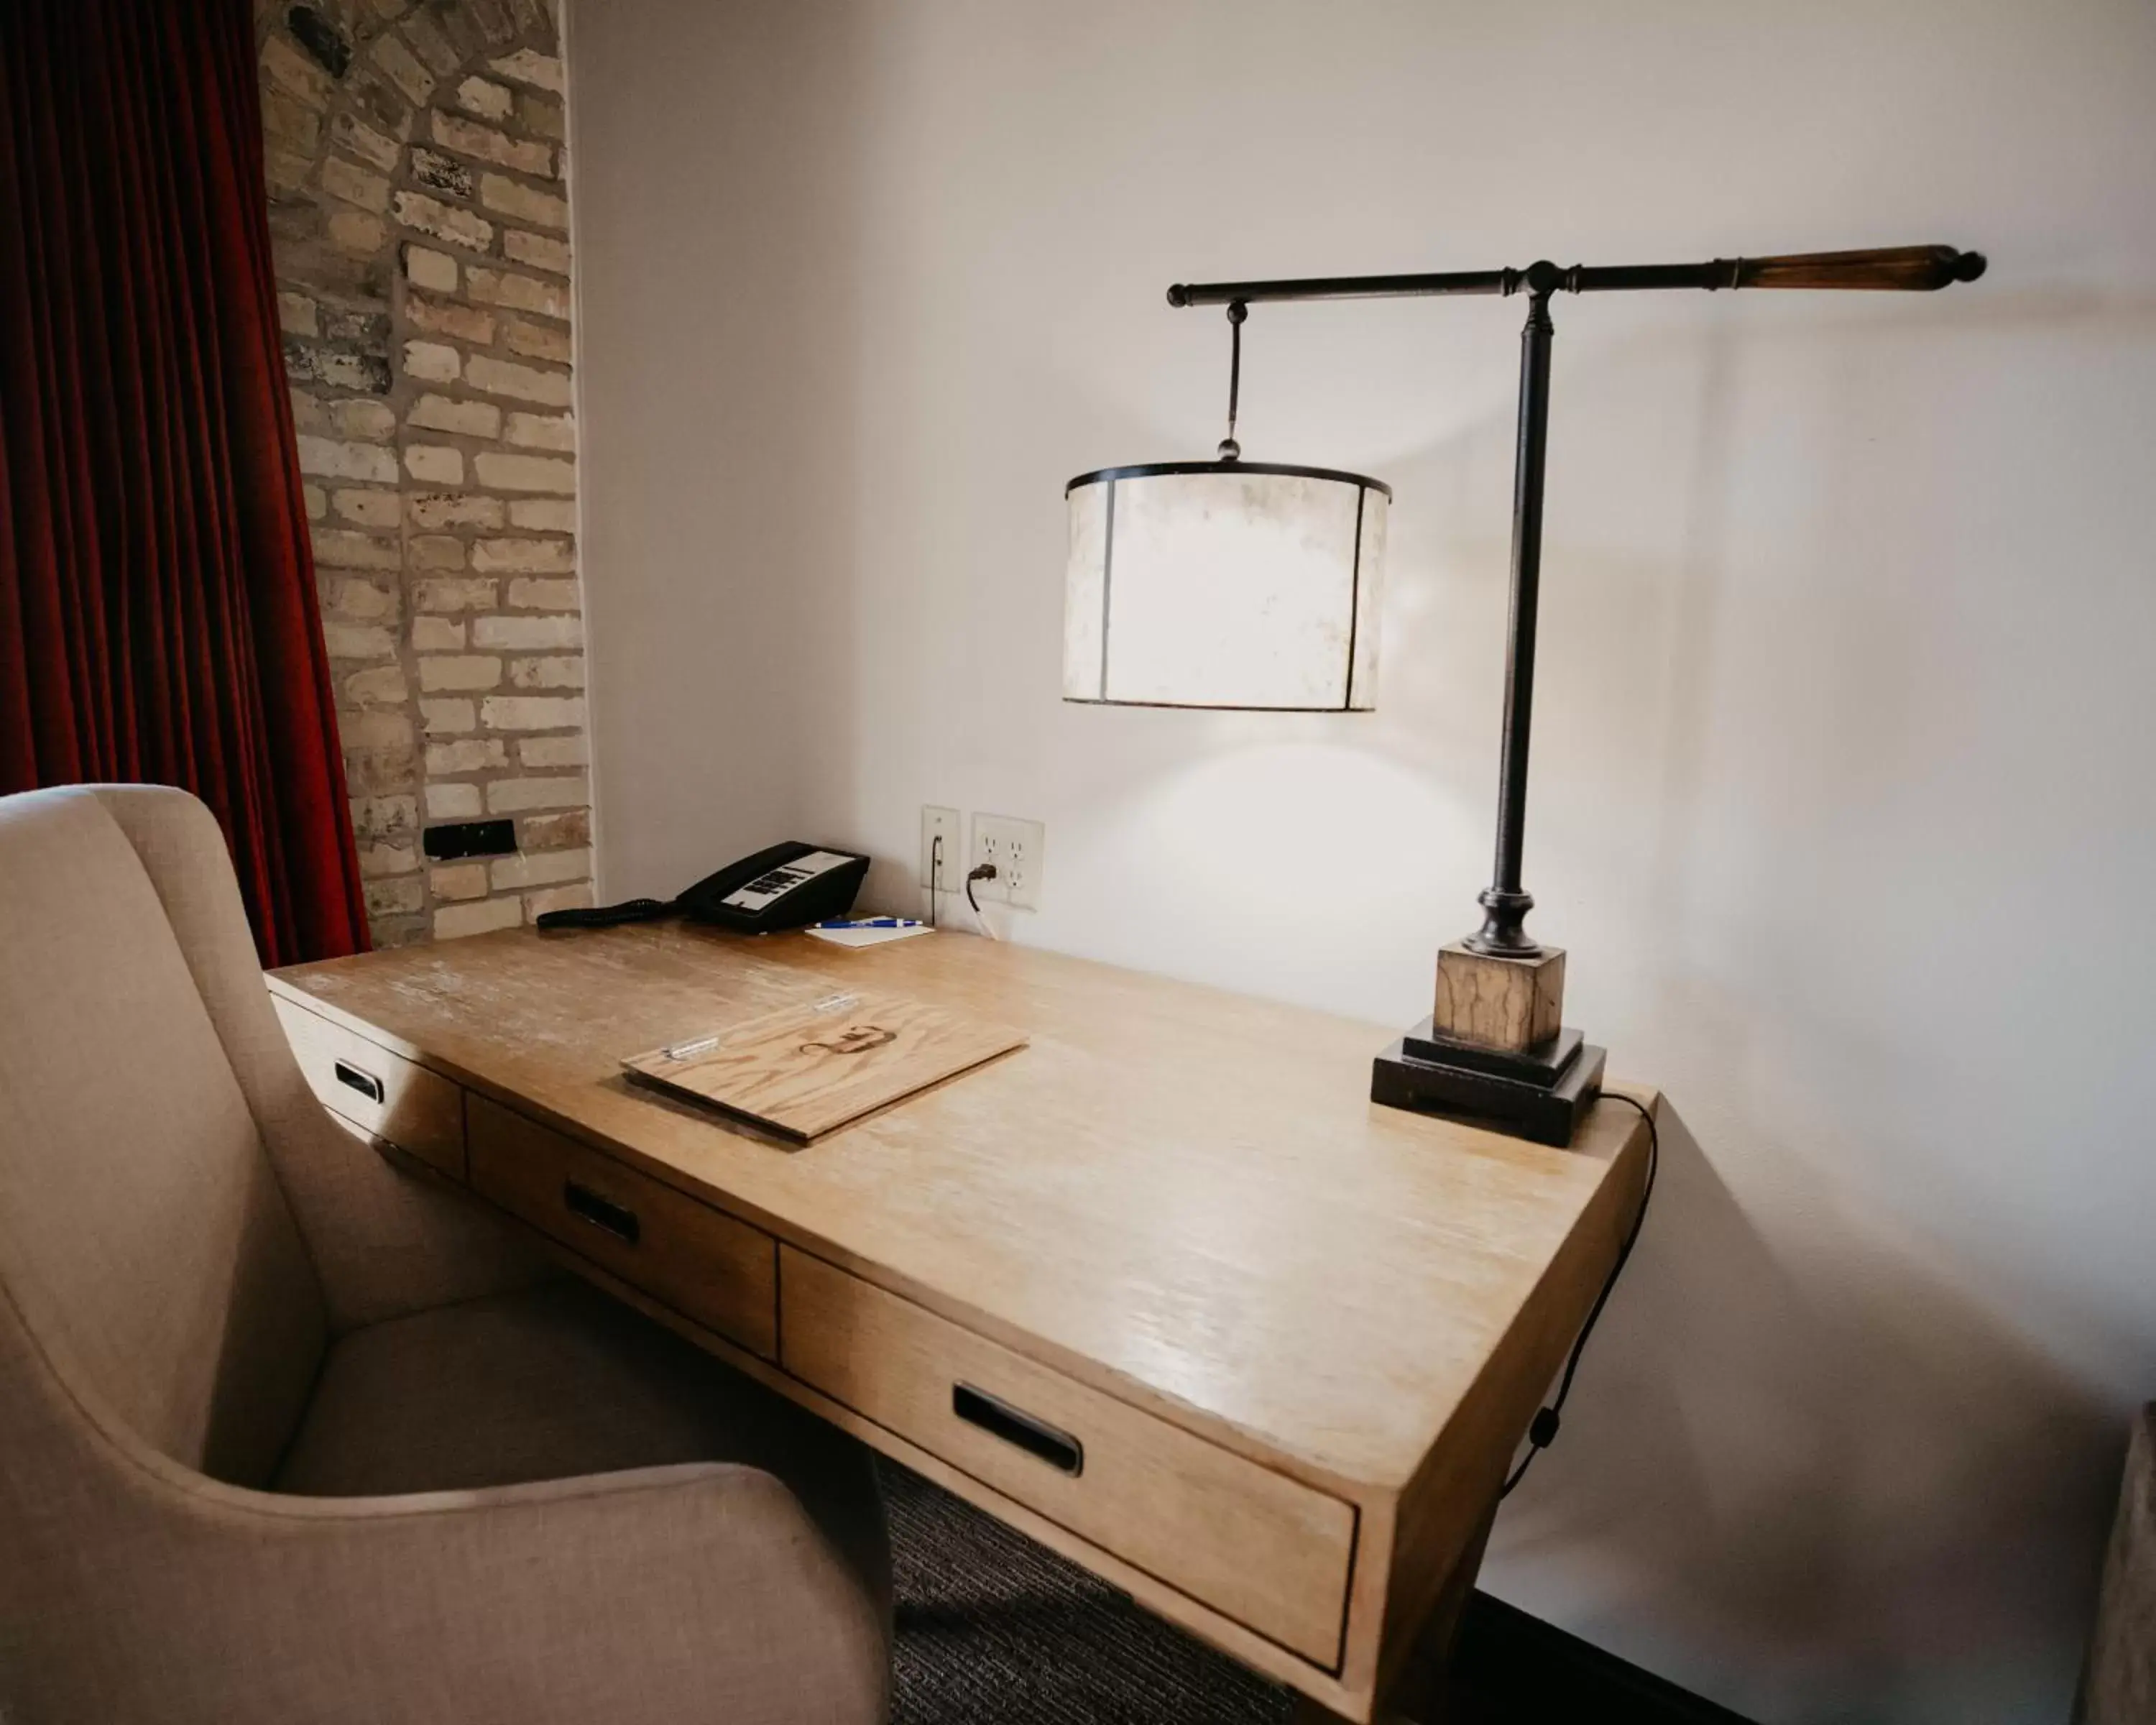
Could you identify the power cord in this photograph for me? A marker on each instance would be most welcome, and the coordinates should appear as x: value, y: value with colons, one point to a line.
x: 935, y: 876
x: 986, y: 871
x: 1543, y: 1431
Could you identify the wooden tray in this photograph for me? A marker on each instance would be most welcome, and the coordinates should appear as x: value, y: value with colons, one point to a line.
x: 805, y: 1071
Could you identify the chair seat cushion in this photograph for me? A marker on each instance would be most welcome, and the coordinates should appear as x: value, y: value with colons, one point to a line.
x: 555, y: 1381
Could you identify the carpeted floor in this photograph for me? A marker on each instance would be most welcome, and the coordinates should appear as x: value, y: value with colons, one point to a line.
x: 994, y: 1630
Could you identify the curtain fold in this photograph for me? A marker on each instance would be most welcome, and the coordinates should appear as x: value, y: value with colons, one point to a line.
x: 158, y: 619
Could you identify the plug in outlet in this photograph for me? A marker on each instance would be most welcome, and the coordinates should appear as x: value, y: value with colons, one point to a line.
x: 941, y: 872
x: 1014, y: 846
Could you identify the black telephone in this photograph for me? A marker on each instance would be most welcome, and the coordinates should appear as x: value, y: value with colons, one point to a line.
x: 781, y: 887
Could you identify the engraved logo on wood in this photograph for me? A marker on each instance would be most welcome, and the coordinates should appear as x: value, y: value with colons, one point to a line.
x: 860, y: 1039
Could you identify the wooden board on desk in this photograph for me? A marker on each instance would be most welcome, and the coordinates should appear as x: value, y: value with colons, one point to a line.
x: 810, y: 1069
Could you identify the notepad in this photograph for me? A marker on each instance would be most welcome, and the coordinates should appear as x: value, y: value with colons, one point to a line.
x: 866, y: 936
x: 807, y: 1069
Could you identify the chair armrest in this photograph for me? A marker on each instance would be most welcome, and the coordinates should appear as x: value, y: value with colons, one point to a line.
x: 664, y: 1596
x: 386, y: 1241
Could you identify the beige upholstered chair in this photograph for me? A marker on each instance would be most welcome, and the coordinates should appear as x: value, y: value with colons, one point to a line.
x: 287, y: 1437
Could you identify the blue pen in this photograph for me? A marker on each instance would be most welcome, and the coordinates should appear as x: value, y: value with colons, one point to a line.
x: 874, y: 922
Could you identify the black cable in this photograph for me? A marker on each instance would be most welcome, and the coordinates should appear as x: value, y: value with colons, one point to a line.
x: 1543, y: 1432
x: 935, y: 873
x: 987, y: 871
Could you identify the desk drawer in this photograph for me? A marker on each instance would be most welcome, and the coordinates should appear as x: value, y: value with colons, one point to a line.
x: 1260, y: 1547
x: 382, y: 1093
x: 702, y: 1262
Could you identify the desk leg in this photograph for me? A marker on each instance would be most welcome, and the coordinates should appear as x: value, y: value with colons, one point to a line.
x: 1419, y: 1695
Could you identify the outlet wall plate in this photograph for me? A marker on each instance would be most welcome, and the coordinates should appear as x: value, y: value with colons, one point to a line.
x: 942, y: 824
x: 1014, y: 847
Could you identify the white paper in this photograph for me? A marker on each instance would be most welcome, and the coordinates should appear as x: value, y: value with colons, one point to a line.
x: 865, y: 936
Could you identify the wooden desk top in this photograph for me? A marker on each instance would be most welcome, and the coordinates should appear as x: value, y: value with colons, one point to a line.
x: 1180, y: 1195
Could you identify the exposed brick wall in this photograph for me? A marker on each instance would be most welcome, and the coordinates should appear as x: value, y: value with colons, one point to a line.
x: 419, y: 209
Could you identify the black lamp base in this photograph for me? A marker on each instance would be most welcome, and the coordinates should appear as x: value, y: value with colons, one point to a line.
x: 1542, y: 1094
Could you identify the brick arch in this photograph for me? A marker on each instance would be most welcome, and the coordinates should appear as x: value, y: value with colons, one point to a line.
x: 418, y: 205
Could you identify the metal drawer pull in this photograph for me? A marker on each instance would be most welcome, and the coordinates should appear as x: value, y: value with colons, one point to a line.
x: 365, y: 1083
x: 1058, y: 1448
x: 617, y: 1218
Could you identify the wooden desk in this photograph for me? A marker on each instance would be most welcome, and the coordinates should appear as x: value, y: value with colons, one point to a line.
x: 1287, y: 1339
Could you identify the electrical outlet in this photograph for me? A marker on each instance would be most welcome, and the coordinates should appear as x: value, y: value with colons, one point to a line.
x: 941, y: 872
x: 1014, y: 846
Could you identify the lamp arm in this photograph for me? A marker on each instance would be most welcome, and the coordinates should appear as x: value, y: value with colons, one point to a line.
x: 1900, y: 269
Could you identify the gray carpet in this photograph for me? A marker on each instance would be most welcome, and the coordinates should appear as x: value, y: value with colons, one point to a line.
x: 995, y: 1629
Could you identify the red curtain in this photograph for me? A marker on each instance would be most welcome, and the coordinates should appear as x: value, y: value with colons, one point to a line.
x: 159, y: 621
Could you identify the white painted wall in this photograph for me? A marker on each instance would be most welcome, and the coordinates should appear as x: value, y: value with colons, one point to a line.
x: 1843, y: 799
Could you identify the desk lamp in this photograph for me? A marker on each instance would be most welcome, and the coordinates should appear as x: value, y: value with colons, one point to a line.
x: 1248, y: 586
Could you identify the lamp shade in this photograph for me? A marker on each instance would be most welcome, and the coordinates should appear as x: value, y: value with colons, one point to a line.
x: 1224, y: 584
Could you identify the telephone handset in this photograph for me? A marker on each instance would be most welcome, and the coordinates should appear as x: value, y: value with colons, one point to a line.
x: 781, y: 887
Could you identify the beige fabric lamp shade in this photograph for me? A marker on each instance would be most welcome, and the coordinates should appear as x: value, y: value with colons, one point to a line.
x: 1224, y: 584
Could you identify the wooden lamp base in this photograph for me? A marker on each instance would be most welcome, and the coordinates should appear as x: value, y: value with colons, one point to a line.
x: 1494, y: 1050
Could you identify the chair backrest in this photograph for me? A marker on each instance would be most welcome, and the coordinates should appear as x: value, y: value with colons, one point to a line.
x: 143, y: 1233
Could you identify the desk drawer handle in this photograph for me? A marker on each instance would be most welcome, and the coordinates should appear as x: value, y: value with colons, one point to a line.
x: 351, y: 1078
x: 1058, y: 1448
x: 617, y: 1218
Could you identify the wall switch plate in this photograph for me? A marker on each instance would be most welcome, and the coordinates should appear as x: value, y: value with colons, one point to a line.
x: 1014, y: 847
x: 946, y: 873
